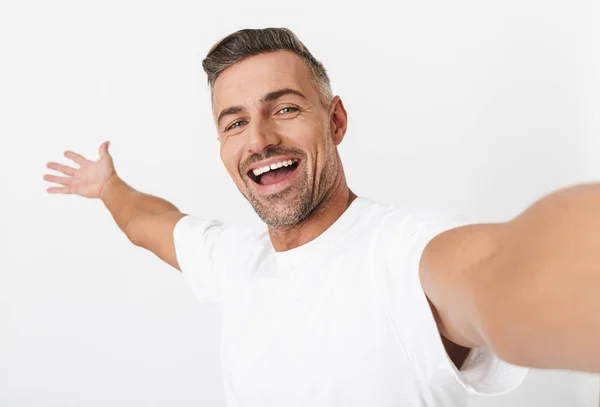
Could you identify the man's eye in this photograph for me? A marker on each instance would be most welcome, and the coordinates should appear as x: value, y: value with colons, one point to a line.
x: 234, y: 125
x: 289, y: 109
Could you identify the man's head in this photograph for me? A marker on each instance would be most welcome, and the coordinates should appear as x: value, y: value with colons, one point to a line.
x: 272, y: 104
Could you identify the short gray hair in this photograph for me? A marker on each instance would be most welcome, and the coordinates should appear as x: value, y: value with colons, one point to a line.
x: 249, y: 42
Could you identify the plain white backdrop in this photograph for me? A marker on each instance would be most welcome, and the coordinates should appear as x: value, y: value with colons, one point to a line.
x: 481, y: 106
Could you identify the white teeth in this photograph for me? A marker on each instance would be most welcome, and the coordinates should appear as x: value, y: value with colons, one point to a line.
x: 274, y: 166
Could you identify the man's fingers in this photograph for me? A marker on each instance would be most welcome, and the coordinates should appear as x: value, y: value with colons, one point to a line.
x: 58, y: 180
x: 62, y: 168
x: 75, y: 157
x: 58, y: 190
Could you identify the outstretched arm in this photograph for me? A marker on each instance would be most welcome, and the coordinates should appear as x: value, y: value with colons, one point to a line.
x: 147, y: 221
x: 528, y: 288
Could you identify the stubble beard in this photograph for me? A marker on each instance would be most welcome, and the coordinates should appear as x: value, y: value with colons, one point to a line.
x: 283, y: 209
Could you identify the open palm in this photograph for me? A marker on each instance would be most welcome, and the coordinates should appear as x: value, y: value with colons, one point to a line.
x: 88, y: 179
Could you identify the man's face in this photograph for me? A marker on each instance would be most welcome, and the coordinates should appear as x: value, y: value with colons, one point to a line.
x: 268, y: 112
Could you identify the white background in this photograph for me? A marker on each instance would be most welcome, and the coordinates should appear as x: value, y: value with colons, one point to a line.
x: 484, y: 106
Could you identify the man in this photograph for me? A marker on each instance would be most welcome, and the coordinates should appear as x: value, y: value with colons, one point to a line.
x: 343, y: 301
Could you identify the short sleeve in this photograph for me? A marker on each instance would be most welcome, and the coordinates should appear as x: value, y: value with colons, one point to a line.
x: 198, y: 247
x: 407, y: 234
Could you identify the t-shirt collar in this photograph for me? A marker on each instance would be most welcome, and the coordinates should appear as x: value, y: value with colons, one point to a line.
x: 331, y: 238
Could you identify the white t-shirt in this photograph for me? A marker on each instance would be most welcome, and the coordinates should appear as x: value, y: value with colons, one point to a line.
x: 339, y: 321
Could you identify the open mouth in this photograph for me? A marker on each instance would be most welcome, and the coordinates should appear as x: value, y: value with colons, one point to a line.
x: 273, y: 176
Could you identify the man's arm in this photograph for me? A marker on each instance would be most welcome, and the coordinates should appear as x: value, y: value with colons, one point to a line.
x: 148, y: 221
x: 527, y: 288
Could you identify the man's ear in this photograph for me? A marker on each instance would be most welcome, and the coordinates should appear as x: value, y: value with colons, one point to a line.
x: 338, y: 119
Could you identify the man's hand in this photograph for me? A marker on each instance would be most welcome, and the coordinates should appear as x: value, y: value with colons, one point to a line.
x: 148, y: 221
x: 86, y: 181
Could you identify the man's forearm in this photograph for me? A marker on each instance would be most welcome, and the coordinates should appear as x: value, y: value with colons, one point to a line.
x: 544, y: 299
x: 126, y: 203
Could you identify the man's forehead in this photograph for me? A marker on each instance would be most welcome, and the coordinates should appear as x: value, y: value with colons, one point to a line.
x: 247, y: 81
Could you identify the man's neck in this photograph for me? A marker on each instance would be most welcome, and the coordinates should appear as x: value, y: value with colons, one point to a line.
x: 325, y: 215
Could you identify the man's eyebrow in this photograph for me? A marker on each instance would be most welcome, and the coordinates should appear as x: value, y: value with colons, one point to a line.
x: 228, y: 111
x: 269, y: 97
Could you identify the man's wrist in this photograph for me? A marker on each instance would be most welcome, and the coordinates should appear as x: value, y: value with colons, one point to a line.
x: 110, y: 183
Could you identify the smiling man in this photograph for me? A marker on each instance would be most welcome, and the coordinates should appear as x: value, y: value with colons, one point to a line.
x: 338, y: 300
x: 279, y: 127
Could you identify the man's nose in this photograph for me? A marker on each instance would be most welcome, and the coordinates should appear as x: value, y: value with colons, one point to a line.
x: 261, y: 136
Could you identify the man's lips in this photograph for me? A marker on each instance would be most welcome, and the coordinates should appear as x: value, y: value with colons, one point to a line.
x: 267, y: 163
x: 277, y: 186
x: 270, y: 161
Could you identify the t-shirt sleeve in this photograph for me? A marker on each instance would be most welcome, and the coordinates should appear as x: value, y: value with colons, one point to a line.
x: 407, y: 236
x: 199, y: 247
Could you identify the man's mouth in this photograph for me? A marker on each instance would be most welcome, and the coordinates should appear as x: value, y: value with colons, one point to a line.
x: 274, y: 173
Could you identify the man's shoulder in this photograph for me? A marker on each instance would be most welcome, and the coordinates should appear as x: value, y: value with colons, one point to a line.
x: 373, y: 208
x: 390, y: 214
x: 236, y: 234
x: 247, y: 231
x: 415, y: 211
x: 398, y: 224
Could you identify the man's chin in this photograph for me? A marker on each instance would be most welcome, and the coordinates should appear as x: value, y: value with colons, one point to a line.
x: 274, y: 205
x: 272, y: 198
x: 278, y: 211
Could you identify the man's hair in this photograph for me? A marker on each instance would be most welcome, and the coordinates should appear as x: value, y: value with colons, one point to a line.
x: 249, y: 42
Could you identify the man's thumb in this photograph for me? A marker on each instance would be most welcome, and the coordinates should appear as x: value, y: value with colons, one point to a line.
x: 104, y: 148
